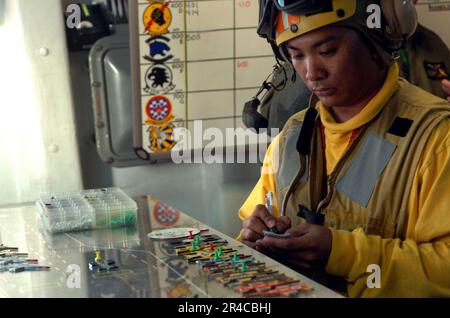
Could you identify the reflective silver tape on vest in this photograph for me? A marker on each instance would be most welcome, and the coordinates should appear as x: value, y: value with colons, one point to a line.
x: 360, y: 179
x: 290, y: 163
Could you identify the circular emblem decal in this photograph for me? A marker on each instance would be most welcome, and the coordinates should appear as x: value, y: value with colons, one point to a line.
x: 162, y: 139
x: 159, y: 110
x: 157, y: 18
x: 166, y: 215
x: 158, y: 80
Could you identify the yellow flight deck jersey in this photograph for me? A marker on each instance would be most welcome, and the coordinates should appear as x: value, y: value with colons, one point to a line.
x: 414, y: 263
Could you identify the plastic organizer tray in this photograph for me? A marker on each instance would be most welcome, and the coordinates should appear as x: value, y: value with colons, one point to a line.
x: 86, y: 210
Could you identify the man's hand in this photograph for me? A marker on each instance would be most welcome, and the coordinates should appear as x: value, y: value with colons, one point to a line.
x: 261, y: 220
x: 308, y: 247
x: 446, y: 88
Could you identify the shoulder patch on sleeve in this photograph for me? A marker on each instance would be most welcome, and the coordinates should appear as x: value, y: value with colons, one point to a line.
x: 435, y: 70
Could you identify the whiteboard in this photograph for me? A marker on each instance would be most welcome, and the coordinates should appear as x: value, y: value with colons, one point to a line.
x: 193, y: 61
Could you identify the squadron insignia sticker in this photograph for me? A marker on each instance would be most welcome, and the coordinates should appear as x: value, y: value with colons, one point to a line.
x: 166, y: 215
x: 162, y: 139
x: 157, y: 18
x: 435, y: 71
x: 159, y: 49
x: 159, y: 111
x: 158, y: 80
x: 161, y: 130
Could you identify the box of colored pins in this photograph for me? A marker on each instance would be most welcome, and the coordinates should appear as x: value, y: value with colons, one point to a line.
x: 86, y: 210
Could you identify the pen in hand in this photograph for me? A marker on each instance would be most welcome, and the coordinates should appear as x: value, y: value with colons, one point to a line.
x: 270, y: 208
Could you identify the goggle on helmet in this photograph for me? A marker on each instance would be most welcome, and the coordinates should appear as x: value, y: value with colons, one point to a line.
x: 296, y: 23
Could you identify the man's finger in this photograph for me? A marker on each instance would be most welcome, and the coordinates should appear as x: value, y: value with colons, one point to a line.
x: 250, y: 235
x: 268, y: 219
x: 284, y: 223
x: 278, y: 245
x: 299, y: 230
x: 255, y: 224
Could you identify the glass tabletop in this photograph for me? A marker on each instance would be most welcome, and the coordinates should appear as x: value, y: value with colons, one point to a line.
x: 147, y: 268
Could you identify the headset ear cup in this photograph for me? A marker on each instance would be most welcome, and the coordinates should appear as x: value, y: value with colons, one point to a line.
x: 252, y: 118
x: 401, y: 18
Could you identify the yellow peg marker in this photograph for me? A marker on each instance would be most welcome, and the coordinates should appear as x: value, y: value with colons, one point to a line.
x: 98, y: 256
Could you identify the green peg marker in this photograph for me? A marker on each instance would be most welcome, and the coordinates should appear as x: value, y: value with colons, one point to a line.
x: 221, y: 251
x: 216, y: 256
x: 235, y: 257
x: 244, y: 266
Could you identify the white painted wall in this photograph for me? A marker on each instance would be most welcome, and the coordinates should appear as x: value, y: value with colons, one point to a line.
x: 38, y: 149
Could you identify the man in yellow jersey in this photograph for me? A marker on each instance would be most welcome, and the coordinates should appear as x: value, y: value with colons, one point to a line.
x: 360, y: 180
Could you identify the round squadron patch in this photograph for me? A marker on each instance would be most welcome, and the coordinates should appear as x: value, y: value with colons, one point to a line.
x: 157, y: 18
x: 162, y: 139
x: 158, y: 80
x: 165, y: 214
x: 159, y: 111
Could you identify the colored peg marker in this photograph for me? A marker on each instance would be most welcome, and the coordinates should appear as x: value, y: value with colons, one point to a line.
x: 244, y: 266
x: 98, y: 256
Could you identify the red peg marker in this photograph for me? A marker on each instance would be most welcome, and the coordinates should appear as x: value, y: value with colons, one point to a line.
x: 211, y: 245
x: 191, y: 236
